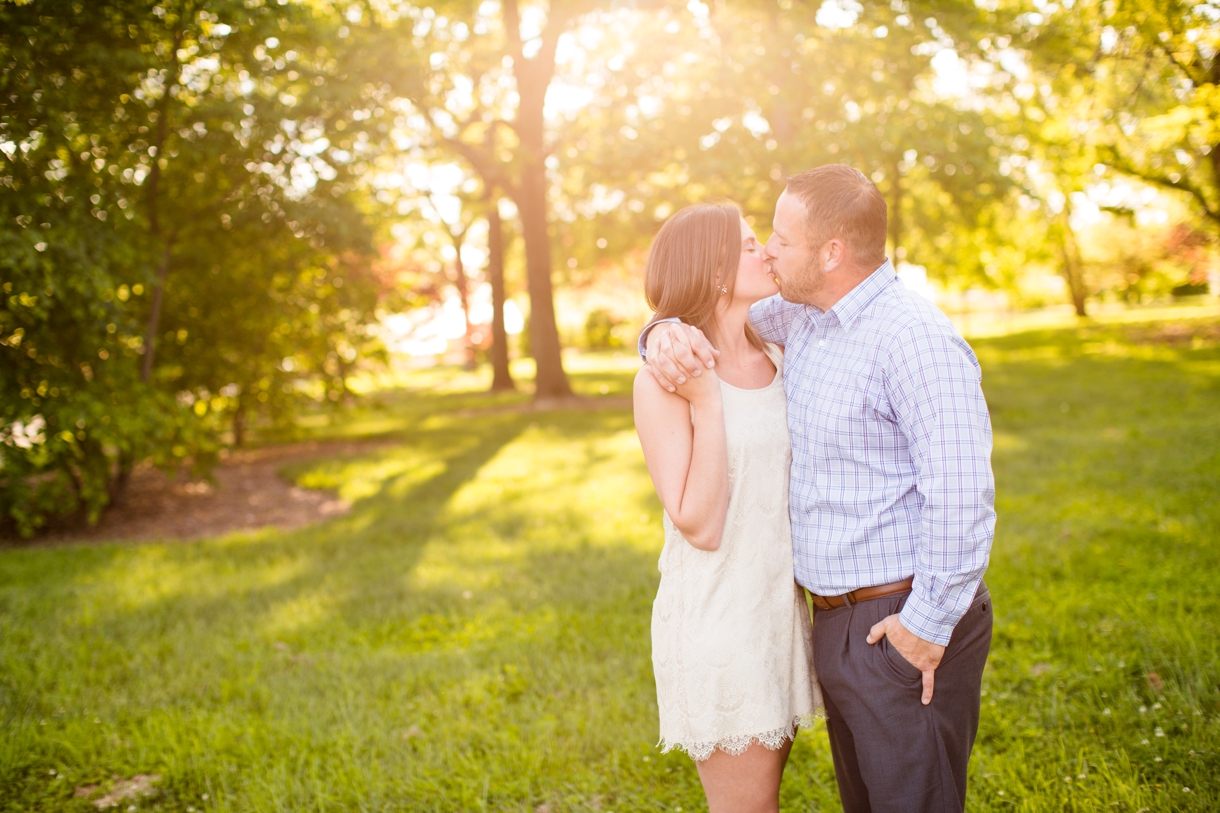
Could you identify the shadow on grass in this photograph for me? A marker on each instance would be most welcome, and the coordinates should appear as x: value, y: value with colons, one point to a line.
x: 281, y: 658
x: 474, y: 635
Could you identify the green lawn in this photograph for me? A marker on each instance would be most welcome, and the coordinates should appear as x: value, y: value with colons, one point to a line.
x: 474, y: 634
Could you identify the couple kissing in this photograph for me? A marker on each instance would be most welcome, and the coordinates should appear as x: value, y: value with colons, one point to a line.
x: 818, y: 437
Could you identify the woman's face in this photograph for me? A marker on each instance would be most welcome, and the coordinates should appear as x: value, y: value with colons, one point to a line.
x: 754, y: 278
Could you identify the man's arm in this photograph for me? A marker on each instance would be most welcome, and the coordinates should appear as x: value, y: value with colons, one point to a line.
x: 934, y: 391
x: 772, y: 317
x: 675, y: 351
x: 642, y: 344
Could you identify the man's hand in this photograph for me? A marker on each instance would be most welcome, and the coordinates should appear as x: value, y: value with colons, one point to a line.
x: 923, y: 655
x: 676, y: 351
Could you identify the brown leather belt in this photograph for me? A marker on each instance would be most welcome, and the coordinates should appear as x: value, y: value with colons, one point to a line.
x: 863, y: 594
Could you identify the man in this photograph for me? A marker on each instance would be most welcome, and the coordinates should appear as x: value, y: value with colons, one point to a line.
x: 891, y: 492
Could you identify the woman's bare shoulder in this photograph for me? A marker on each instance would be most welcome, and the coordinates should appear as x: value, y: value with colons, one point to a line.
x: 647, y: 387
x: 650, y: 398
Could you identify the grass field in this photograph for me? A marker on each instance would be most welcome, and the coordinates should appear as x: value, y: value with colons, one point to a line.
x: 474, y: 634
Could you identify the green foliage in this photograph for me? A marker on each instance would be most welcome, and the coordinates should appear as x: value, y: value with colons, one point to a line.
x: 200, y: 198
x: 474, y: 635
x: 1146, y: 75
x: 602, y: 330
x: 1190, y: 289
x: 1107, y: 93
x: 181, y: 241
x: 728, y: 105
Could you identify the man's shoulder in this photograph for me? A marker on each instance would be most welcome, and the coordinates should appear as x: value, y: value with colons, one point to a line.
x: 901, y: 312
x: 911, y: 325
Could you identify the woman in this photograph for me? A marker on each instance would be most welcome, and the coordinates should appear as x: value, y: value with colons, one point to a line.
x: 730, y: 630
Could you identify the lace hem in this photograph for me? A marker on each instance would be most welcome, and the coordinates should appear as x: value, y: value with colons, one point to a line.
x: 735, y: 746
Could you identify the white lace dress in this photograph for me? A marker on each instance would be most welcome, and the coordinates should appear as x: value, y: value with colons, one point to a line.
x: 731, y: 639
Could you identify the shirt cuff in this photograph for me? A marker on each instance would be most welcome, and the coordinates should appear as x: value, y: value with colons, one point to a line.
x: 641, y: 347
x: 928, y: 621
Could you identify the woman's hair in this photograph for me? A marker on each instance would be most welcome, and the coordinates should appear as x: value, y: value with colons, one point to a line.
x: 695, y: 253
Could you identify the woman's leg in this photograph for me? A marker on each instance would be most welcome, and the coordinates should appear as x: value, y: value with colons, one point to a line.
x: 746, y: 783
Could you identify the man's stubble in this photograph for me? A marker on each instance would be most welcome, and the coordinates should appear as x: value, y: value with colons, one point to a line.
x: 803, y: 286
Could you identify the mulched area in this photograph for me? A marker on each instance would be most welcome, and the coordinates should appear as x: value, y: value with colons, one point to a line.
x: 1175, y: 333
x: 549, y: 405
x: 245, y: 493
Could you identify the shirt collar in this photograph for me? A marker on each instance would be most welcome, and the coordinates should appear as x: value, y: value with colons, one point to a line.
x: 849, y: 308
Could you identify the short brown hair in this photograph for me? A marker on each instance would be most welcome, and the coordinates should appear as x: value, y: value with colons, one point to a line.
x: 695, y: 252
x: 841, y: 202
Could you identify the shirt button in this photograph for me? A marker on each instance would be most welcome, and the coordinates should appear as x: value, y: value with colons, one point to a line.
x: 821, y: 342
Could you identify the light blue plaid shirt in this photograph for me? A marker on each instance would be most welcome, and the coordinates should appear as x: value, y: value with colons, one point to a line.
x: 891, y: 449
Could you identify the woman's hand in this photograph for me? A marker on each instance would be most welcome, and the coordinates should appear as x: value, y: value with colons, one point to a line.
x: 701, y: 389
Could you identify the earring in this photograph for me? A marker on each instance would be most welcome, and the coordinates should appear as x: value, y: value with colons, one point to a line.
x: 724, y: 289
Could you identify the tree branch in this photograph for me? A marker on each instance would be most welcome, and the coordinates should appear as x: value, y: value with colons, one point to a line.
x: 1180, y: 66
x: 1123, y: 164
x: 483, y: 164
x: 512, y: 29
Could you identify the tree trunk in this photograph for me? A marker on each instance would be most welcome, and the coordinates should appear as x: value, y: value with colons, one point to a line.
x: 1214, y: 150
x: 533, y: 76
x: 239, y: 422
x: 126, y: 461
x: 156, y: 228
x: 501, y: 378
x: 463, y: 289
x: 778, y: 111
x: 154, y: 313
x: 1071, y: 269
x: 550, y: 380
x: 895, y: 211
x: 122, y: 479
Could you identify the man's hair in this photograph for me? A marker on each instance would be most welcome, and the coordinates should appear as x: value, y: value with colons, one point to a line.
x: 695, y: 253
x: 841, y: 202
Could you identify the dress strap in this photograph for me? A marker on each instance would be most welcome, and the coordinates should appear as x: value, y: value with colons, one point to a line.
x: 776, y: 354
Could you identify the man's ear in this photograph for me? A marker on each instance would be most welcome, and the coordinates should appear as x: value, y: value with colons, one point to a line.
x: 834, y: 254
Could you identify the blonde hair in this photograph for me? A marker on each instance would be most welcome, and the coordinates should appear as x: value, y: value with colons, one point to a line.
x: 695, y: 253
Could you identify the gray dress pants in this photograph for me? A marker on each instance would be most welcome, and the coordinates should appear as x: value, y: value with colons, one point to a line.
x: 892, y: 754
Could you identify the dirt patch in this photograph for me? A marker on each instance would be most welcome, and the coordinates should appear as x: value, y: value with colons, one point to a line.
x: 1176, y: 333
x: 246, y: 493
x: 550, y: 405
x: 122, y: 790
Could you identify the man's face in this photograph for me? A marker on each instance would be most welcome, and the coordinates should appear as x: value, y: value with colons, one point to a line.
x: 796, y: 265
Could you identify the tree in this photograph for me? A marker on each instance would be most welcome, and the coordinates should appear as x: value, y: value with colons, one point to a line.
x: 1171, y: 136
x: 1139, y: 82
x: 695, y: 106
x: 505, y: 137
x: 72, y: 280
x: 502, y: 377
x: 210, y: 136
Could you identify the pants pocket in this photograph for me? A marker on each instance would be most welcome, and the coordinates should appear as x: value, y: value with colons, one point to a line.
x: 898, y: 667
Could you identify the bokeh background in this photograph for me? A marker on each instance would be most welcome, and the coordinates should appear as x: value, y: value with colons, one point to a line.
x: 318, y: 484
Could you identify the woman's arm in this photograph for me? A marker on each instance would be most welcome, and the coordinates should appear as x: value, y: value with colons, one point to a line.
x: 686, y: 456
